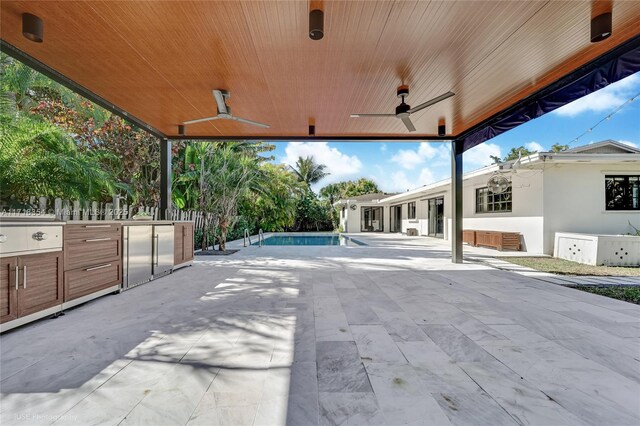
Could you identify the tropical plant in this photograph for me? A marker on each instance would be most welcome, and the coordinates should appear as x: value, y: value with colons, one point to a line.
x: 556, y: 147
x: 271, y: 204
x: 513, y: 154
x: 308, y: 171
x: 226, y: 175
x: 38, y: 158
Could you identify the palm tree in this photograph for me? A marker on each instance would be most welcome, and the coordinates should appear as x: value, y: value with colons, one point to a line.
x: 308, y: 171
x: 38, y: 158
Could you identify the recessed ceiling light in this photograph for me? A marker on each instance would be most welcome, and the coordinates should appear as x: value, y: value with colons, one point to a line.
x: 316, y: 24
x: 32, y: 27
x: 601, y: 27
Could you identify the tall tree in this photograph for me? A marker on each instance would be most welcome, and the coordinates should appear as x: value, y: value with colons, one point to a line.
x: 229, y: 175
x: 513, y: 154
x: 308, y: 171
x: 556, y: 147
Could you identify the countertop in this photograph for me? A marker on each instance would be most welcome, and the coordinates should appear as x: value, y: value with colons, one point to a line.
x: 127, y: 222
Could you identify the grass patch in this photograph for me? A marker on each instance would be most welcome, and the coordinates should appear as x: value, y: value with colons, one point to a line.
x: 626, y: 293
x: 567, y: 267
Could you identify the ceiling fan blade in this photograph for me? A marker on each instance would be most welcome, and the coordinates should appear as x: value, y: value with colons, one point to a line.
x: 372, y: 115
x: 255, y: 123
x: 219, y: 97
x: 431, y: 102
x: 407, y: 122
x: 200, y: 120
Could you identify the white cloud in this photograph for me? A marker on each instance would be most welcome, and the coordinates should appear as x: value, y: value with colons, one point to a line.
x: 479, y: 155
x: 534, y: 146
x: 340, y: 165
x: 410, y: 159
x: 603, y: 100
x: 633, y: 144
x: 383, y: 147
x: 400, y: 182
x: 426, y: 177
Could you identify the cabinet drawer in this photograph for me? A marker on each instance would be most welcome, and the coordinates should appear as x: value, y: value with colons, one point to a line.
x: 84, y: 281
x: 92, y: 230
x: 91, y: 252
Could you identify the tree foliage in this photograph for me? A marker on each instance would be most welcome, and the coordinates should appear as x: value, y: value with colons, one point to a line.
x: 37, y: 157
x: 308, y: 171
x: 513, y: 154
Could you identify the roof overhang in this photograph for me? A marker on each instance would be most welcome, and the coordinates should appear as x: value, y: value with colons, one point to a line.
x: 156, y: 63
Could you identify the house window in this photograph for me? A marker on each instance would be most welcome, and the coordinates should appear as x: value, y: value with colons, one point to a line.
x: 622, y: 192
x: 411, y: 210
x: 489, y: 202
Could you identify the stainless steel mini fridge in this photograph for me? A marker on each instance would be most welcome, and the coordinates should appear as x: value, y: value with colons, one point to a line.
x: 162, y: 250
x: 137, y: 250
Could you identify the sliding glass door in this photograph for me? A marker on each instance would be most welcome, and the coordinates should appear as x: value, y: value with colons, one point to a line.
x: 371, y: 219
x: 396, y: 218
x: 436, y: 217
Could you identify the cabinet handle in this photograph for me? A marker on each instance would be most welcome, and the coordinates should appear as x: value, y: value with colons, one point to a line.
x: 98, y: 267
x: 17, y: 273
x: 96, y: 239
x: 97, y: 226
x: 24, y: 276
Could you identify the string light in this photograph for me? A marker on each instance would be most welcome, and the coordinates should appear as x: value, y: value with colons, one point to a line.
x: 607, y: 118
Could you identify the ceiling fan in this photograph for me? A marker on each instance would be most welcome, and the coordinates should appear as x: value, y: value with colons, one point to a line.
x: 403, y: 111
x: 224, y: 111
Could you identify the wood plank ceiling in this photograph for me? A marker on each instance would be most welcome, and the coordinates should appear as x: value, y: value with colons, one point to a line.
x: 160, y: 60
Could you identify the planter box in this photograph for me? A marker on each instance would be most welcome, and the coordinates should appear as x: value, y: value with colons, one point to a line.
x: 498, y: 239
x: 469, y: 237
x: 611, y: 250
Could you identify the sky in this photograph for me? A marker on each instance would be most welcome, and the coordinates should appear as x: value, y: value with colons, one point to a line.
x: 400, y: 166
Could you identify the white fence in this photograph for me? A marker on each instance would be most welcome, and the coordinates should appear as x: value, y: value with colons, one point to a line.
x: 93, y: 210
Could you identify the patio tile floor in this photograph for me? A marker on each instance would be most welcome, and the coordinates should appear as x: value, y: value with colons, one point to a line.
x: 381, y: 334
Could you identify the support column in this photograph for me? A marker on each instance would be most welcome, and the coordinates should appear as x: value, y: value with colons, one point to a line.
x: 165, y: 179
x: 456, y: 201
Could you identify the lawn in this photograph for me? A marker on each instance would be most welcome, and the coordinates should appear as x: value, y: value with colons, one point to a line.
x: 566, y: 267
x: 626, y: 293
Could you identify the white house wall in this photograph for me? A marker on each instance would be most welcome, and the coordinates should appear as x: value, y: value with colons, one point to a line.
x: 352, y: 222
x: 526, y: 216
x: 574, y: 201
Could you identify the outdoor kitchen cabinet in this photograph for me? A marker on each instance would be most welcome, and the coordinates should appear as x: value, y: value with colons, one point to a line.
x: 183, y: 243
x: 93, y: 261
x: 30, y: 284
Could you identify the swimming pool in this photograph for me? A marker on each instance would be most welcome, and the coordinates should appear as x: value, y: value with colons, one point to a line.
x: 309, y: 240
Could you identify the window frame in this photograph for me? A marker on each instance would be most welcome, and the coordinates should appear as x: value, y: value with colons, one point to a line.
x: 489, y: 200
x: 412, y: 206
x: 627, y: 187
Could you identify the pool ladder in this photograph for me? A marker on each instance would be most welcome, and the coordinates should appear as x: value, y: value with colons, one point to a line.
x: 248, y: 237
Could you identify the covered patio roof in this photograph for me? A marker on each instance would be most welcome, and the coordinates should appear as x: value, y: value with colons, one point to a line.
x: 156, y: 64
x: 159, y: 61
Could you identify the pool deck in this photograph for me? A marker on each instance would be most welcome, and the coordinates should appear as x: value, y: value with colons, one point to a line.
x: 391, y: 333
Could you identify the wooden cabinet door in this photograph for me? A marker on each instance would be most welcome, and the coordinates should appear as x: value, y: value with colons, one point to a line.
x: 40, y: 282
x: 187, y: 242
x: 178, y: 244
x: 8, y: 292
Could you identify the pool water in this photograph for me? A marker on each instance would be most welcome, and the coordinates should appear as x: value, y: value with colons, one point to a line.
x: 308, y: 240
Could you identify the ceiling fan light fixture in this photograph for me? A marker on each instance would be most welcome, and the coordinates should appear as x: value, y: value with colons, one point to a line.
x: 601, y: 27
x: 316, y: 24
x: 181, y: 129
x: 32, y: 27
